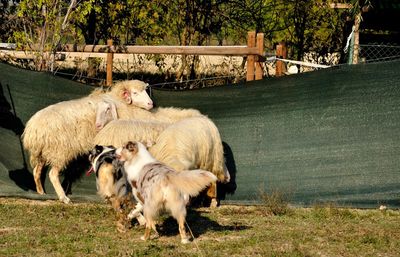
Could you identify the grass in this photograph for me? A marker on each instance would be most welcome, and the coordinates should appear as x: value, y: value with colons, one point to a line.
x: 49, y: 228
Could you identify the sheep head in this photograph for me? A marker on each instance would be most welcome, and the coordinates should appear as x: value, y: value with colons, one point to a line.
x: 133, y: 92
x: 105, y: 112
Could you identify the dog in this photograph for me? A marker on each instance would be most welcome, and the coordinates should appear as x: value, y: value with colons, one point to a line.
x: 112, y: 184
x: 158, y: 187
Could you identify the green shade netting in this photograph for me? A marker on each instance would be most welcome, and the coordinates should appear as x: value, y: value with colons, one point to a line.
x: 325, y: 136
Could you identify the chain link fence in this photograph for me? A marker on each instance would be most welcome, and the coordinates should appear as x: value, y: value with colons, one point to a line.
x: 379, y: 52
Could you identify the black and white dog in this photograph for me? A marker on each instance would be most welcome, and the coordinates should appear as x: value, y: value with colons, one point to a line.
x: 111, y: 182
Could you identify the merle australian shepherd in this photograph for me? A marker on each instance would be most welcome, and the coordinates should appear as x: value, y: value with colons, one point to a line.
x: 158, y: 187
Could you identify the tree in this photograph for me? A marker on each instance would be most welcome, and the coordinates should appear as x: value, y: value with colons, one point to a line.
x: 311, y: 27
x: 44, y: 25
x: 8, y: 22
x: 126, y: 22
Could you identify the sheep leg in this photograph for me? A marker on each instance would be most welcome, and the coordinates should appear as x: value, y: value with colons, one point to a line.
x: 212, y: 193
x: 55, y: 180
x: 37, y: 172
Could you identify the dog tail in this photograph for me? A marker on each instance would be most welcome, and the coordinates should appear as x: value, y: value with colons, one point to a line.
x: 191, y: 182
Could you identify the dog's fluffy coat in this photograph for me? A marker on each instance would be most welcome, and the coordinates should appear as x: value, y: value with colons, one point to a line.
x: 112, y: 184
x: 157, y: 186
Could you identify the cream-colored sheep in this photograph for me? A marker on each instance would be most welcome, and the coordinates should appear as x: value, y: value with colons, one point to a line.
x: 193, y: 143
x: 109, y: 110
x: 118, y: 132
x: 61, y: 132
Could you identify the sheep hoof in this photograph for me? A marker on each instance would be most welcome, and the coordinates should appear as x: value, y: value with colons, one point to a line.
x: 185, y: 241
x: 214, y: 203
x: 65, y: 200
x: 40, y: 191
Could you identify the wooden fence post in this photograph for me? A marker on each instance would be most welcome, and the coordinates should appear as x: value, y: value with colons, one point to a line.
x: 110, y: 57
x: 251, y: 42
x: 260, y: 47
x: 356, y: 46
x: 281, y: 52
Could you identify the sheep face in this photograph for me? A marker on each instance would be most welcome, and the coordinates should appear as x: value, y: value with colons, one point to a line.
x: 105, y: 113
x: 138, y: 97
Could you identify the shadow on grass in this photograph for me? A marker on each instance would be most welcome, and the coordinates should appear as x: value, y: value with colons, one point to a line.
x: 198, y: 225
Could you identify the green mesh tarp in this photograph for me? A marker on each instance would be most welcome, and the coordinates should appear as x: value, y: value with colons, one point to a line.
x: 326, y: 136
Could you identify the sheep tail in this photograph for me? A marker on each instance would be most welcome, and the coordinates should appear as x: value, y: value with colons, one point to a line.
x: 192, y: 182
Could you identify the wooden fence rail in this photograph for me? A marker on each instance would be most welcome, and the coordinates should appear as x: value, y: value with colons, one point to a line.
x: 254, y: 52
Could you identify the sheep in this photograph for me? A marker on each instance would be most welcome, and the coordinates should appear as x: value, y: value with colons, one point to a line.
x: 145, y: 130
x: 118, y: 132
x: 108, y: 111
x: 61, y: 132
x: 191, y: 143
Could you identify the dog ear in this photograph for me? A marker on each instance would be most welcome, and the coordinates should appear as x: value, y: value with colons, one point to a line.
x: 98, y: 149
x: 132, y: 147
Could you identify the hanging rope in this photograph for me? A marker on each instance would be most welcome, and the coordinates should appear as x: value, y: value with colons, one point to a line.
x: 309, y: 64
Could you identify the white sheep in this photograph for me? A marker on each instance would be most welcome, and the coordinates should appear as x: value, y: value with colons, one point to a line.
x: 109, y: 110
x: 193, y: 143
x: 118, y: 132
x: 144, y: 128
x: 61, y: 132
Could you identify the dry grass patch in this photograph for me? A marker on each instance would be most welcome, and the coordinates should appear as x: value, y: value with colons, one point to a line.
x: 31, y: 228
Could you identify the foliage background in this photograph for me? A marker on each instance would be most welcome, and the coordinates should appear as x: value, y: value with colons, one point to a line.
x: 306, y: 26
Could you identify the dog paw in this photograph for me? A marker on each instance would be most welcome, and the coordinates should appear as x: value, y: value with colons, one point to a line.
x: 143, y: 238
x: 133, y: 214
x: 141, y: 220
x: 122, y: 229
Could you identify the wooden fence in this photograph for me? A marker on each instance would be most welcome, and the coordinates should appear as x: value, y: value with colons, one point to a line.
x: 254, y: 50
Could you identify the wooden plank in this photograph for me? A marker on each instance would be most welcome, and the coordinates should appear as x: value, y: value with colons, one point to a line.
x: 281, y: 52
x: 181, y: 50
x: 17, y: 54
x: 110, y: 58
x: 356, y: 46
x: 251, y: 43
x: 340, y: 6
x: 260, y: 47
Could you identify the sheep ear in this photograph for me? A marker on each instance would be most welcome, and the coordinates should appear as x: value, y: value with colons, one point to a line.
x: 114, y: 113
x: 127, y: 96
